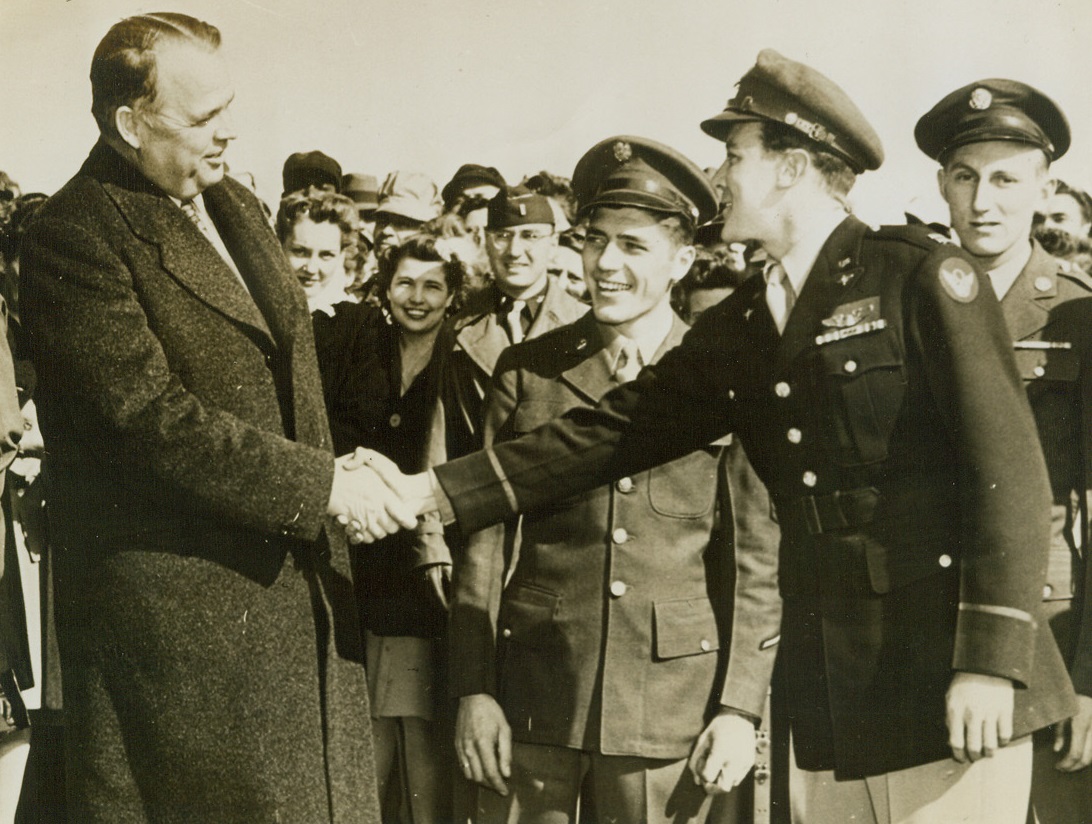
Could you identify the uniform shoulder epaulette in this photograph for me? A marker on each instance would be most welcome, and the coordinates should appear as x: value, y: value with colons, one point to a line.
x: 1074, y: 273
x: 921, y: 236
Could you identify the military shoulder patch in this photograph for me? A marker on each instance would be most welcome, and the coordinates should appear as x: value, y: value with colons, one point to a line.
x: 958, y: 279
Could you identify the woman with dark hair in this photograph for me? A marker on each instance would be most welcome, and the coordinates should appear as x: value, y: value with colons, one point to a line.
x: 380, y: 382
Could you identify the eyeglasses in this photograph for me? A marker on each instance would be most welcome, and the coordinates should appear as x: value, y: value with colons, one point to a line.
x: 503, y: 238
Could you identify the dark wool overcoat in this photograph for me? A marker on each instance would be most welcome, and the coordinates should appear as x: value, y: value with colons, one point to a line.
x: 210, y: 644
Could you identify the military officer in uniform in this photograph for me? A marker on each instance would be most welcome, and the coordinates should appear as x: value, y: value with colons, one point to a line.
x: 995, y: 141
x: 870, y: 377
x: 522, y: 302
x: 621, y: 602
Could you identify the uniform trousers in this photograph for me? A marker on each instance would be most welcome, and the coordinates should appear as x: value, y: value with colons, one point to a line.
x: 989, y: 791
x: 546, y: 782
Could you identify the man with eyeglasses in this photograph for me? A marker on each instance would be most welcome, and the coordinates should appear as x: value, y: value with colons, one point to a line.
x: 522, y: 302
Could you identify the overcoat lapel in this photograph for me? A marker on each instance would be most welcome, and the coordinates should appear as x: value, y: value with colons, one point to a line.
x: 184, y: 252
x: 260, y: 260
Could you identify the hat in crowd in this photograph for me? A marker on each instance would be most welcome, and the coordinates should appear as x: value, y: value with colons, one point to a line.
x: 410, y: 195
x: 304, y: 169
x: 518, y: 206
x: 993, y: 110
x: 468, y: 175
x: 784, y: 91
x: 362, y: 189
x: 638, y: 172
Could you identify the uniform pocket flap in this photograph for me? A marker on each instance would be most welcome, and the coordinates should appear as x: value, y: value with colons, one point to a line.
x: 858, y: 355
x: 527, y: 615
x: 685, y: 626
x: 1047, y: 364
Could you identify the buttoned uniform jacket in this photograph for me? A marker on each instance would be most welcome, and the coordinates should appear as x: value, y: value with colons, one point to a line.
x: 480, y: 337
x: 912, y: 544
x: 632, y: 611
x: 1048, y: 310
x: 209, y: 638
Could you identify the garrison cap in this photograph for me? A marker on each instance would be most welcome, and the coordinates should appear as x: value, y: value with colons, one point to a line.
x: 468, y: 175
x: 518, y: 206
x: 995, y: 109
x: 784, y: 91
x: 304, y: 169
x: 644, y: 174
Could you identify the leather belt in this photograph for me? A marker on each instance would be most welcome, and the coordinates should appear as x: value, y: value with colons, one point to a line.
x: 843, y: 509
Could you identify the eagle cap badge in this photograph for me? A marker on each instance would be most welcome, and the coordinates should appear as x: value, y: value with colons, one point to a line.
x: 981, y: 99
x: 622, y: 151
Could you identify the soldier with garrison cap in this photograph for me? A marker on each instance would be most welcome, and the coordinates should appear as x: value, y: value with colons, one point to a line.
x: 618, y: 639
x: 995, y: 140
x: 870, y: 377
x: 521, y: 302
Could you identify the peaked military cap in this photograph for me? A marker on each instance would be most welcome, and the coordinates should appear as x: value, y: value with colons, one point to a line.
x: 784, y: 91
x: 638, y: 172
x: 995, y: 109
x: 518, y: 206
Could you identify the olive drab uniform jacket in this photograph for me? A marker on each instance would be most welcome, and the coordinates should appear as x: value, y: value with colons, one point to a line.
x: 634, y: 611
x: 1048, y: 310
x: 913, y: 544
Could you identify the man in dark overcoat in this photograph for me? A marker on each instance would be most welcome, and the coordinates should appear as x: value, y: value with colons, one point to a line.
x: 995, y: 140
x: 870, y: 378
x: 209, y: 638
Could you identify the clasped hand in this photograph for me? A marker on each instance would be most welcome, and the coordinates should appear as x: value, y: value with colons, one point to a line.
x: 372, y: 499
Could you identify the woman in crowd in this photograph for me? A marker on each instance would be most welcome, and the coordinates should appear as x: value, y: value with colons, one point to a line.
x: 318, y: 231
x: 381, y: 388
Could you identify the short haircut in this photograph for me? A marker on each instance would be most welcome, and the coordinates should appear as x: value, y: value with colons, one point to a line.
x: 1079, y: 195
x: 836, y: 172
x: 710, y: 270
x: 423, y: 247
x: 321, y: 207
x: 123, y: 70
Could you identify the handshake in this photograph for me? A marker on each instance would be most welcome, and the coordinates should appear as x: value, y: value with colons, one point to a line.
x: 371, y: 498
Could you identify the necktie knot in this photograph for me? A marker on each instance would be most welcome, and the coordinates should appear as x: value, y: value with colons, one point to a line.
x: 513, y: 316
x: 628, y: 363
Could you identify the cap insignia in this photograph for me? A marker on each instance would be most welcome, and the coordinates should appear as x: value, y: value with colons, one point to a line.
x: 791, y: 118
x: 522, y: 209
x: 622, y: 151
x: 981, y: 99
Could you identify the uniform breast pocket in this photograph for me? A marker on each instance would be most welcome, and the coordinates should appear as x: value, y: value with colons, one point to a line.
x: 684, y: 627
x: 861, y: 383
x: 1046, y: 366
x: 527, y: 617
x: 685, y: 488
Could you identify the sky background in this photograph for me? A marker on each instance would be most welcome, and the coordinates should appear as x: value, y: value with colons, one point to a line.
x: 526, y: 85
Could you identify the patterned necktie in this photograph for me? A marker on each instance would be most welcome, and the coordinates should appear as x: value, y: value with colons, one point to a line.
x: 780, y: 296
x: 514, y: 320
x: 192, y: 212
x: 628, y: 364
